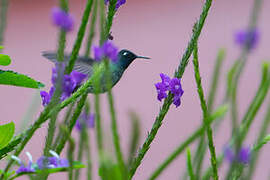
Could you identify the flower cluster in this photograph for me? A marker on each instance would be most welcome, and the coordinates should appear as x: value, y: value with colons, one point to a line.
x: 42, y: 163
x: 243, y: 156
x: 85, y: 120
x: 62, y: 19
x: 173, y: 85
x: 107, y: 50
x: 118, y: 3
x: 69, y: 83
x: 247, y: 38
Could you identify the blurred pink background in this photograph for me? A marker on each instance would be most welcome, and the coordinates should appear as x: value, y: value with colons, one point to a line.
x: 158, y: 29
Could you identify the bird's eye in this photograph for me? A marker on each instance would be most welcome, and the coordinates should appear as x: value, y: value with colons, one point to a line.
x: 125, y: 54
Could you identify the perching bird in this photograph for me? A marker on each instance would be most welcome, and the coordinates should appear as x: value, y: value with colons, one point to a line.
x: 85, y: 65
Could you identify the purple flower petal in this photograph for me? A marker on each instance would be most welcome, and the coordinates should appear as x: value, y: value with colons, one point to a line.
x: 177, y: 100
x: 25, y: 169
x: 161, y: 90
x: 98, y: 53
x: 110, y: 51
x: 229, y: 154
x: 244, y: 155
x: 165, y: 79
x: 175, y: 87
x: 247, y: 38
x: 77, y: 77
x: 62, y: 19
x: 45, y: 98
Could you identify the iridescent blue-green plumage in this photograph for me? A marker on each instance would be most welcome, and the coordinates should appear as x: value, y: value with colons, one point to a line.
x: 85, y: 65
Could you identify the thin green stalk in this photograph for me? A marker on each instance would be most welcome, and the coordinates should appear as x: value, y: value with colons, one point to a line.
x: 217, y: 114
x: 255, y: 155
x: 205, y: 113
x: 135, y: 136
x: 58, y: 91
x: 201, y: 148
x: 102, y: 27
x: 243, y: 58
x: 92, y: 29
x: 261, y: 143
x: 110, y: 16
x: 80, y: 35
x: 215, y: 79
x: 80, y: 151
x: 65, y: 122
x: 116, y: 141
x: 251, y: 113
x: 74, y: 118
x: 3, y: 19
x: 99, y: 131
x: 88, y: 154
x: 168, y: 101
x: 208, y: 173
x: 70, y: 154
x: 189, y: 165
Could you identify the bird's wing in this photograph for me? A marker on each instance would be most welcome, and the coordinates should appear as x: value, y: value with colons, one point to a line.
x: 82, y: 64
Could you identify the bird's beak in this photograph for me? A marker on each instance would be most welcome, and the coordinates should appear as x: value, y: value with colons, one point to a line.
x: 143, y: 57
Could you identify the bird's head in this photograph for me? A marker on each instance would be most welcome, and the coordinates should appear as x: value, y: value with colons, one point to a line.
x: 126, y: 57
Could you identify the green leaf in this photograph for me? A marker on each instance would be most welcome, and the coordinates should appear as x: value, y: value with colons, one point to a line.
x: 7, y: 132
x: 1, y: 47
x: 4, y: 60
x: 10, y: 147
x: 16, y: 79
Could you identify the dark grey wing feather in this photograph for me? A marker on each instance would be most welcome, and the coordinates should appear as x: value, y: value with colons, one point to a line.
x: 83, y: 64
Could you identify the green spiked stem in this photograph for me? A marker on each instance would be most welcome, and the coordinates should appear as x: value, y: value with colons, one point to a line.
x: 189, y: 165
x: 168, y: 101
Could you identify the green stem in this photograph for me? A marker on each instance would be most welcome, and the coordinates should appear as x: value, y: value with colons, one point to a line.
x: 135, y: 136
x: 205, y: 113
x: 92, y: 29
x: 3, y: 19
x: 251, y: 113
x: 58, y: 91
x: 217, y: 114
x: 88, y: 154
x: 80, y: 35
x: 74, y: 118
x: 189, y: 165
x: 70, y: 154
x: 102, y: 22
x: 168, y: 101
x: 80, y: 151
x: 117, y: 146
x: 262, y: 134
x: 110, y: 16
x: 201, y: 148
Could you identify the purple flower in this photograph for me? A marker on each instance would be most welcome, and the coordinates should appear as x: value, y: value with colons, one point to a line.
x: 110, y: 50
x: 25, y: 169
x: 85, y: 120
x: 244, y: 155
x: 247, y: 38
x: 229, y: 154
x: 165, y: 80
x: 107, y: 50
x: 77, y: 77
x: 172, y: 85
x: 161, y: 90
x: 69, y: 83
x: 118, y: 3
x: 45, y: 98
x: 52, y: 162
x: 175, y: 87
x: 62, y: 19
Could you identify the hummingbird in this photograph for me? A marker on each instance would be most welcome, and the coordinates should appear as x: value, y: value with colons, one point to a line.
x: 85, y: 65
